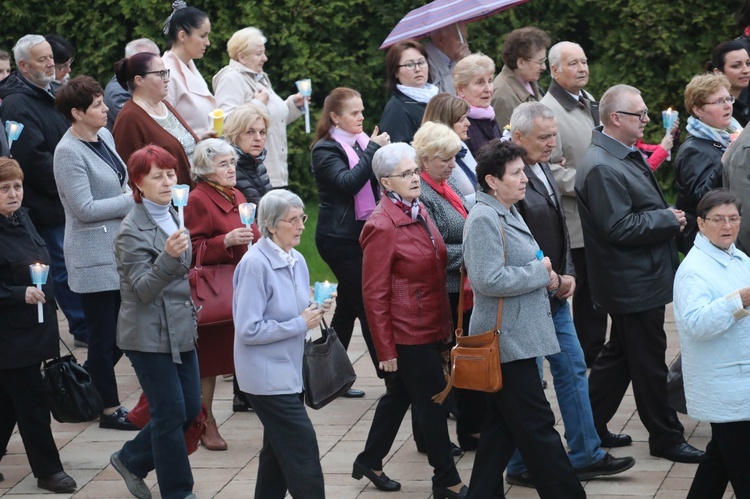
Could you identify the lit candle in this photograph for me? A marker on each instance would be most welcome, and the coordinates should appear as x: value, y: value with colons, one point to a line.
x: 217, y: 121
x: 305, y: 88
x: 668, y: 118
x: 247, y: 213
x: 13, y: 129
x: 323, y: 291
x: 39, y: 273
x: 180, y: 199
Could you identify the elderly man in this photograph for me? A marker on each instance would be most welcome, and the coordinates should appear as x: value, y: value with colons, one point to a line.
x: 27, y: 99
x: 447, y: 46
x: 631, y: 252
x: 533, y: 126
x: 114, y: 95
x: 577, y: 114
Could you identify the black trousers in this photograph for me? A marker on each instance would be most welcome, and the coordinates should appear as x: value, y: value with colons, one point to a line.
x: 289, y: 458
x: 101, y: 310
x: 635, y: 352
x: 520, y: 416
x: 23, y: 401
x: 591, y: 324
x: 419, y: 377
x: 727, y: 460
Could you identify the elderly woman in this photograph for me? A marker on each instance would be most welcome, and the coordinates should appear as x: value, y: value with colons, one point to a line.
x: 472, y: 78
x: 24, y: 342
x: 524, y: 61
x: 243, y: 81
x: 452, y: 111
x: 246, y: 130
x: 697, y: 166
x: 92, y: 183
x: 407, y: 71
x: 187, y: 29
x: 501, y: 263
x: 147, y: 118
x: 732, y: 60
x: 347, y: 191
x: 213, y: 220
x: 711, y: 300
x: 272, y: 314
x: 404, y: 284
x: 156, y: 328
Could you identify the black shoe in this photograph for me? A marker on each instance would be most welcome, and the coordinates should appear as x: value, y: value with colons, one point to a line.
x: 522, y: 480
x: 1, y: 477
x: 118, y: 420
x: 241, y: 404
x: 608, y: 465
x: 455, y: 450
x: 615, y: 440
x: 59, y: 482
x: 680, y: 453
x: 446, y: 493
x: 468, y: 442
x: 381, y: 481
x: 353, y: 393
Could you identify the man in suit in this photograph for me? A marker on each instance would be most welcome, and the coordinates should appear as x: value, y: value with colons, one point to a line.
x: 533, y: 127
x: 577, y: 114
x: 629, y: 231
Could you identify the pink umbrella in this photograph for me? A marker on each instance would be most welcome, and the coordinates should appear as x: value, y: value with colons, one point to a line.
x: 420, y: 22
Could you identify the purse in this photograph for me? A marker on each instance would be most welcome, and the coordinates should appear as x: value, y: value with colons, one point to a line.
x: 71, y: 394
x: 327, y: 372
x: 211, y: 289
x: 676, y: 387
x: 140, y: 415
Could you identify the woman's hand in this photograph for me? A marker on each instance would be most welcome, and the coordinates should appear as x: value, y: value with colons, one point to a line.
x: 177, y: 243
x: 547, y: 263
x: 567, y: 287
x: 744, y: 296
x: 554, y: 282
x: 389, y: 366
x: 668, y: 141
x: 380, y: 139
x: 262, y: 95
x: 328, y: 303
x: 34, y: 295
x: 299, y: 101
x: 239, y: 236
x: 312, y: 316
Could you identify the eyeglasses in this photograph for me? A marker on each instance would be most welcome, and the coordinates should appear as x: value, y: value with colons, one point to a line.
x: 734, y: 220
x: 411, y: 65
x: 407, y: 174
x: 720, y: 102
x: 227, y: 164
x: 163, y: 74
x: 18, y: 188
x: 540, y: 62
x: 641, y: 115
x: 296, y: 221
x: 65, y: 65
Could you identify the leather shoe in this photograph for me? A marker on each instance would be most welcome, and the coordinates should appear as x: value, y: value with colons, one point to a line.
x: 608, y: 465
x: 241, y: 404
x: 680, y: 453
x: 446, y: 493
x: 1, y: 477
x: 610, y: 440
x: 353, y: 393
x: 212, y: 439
x: 381, y: 481
x: 133, y: 482
x: 118, y: 420
x: 522, y: 480
x: 59, y: 482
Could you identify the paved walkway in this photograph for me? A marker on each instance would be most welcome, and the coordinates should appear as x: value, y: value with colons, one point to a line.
x: 342, y: 429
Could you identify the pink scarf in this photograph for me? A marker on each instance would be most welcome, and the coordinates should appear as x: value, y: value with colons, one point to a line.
x: 364, y: 200
x: 481, y: 113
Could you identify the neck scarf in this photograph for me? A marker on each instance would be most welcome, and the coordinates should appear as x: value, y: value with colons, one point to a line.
x: 364, y: 200
x: 226, y: 192
x: 422, y: 95
x: 464, y: 167
x: 700, y: 130
x: 446, y: 192
x: 411, y: 210
x: 481, y: 113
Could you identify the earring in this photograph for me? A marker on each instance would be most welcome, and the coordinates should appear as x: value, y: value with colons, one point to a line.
x: 494, y: 193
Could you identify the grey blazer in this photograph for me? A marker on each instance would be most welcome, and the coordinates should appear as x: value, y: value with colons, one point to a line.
x: 95, y: 203
x: 527, y: 330
x: 157, y: 314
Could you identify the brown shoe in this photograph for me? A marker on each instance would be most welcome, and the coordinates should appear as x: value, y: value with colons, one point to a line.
x: 212, y: 440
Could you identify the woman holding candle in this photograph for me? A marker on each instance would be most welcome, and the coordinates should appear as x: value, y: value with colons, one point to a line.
x: 472, y: 78
x: 213, y: 220
x: 244, y: 81
x: 24, y: 341
x: 157, y: 328
x: 732, y: 59
x: 246, y: 130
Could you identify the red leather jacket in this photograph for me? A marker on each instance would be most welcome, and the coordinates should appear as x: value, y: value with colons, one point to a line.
x: 403, y: 280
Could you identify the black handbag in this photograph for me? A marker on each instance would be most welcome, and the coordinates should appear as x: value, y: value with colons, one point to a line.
x: 327, y: 371
x: 676, y: 387
x: 71, y: 394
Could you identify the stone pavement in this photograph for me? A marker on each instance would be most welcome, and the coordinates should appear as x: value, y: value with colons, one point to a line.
x: 342, y: 429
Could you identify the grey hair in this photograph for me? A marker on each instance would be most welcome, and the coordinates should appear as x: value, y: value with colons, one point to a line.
x: 555, y: 53
x: 205, y: 152
x: 274, y: 205
x: 141, y: 45
x: 22, y: 50
x: 525, y: 115
x: 388, y: 157
x: 614, y: 99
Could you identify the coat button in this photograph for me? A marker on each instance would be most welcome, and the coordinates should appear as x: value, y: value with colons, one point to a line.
x: 549, y: 313
x: 156, y: 268
x: 187, y: 303
x: 185, y: 275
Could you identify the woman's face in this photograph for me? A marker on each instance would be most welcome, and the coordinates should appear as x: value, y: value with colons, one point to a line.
x: 253, y: 140
x: 404, y: 180
x: 416, y: 77
x: 152, y: 86
x: 351, y: 117
x: 717, y: 111
x: 511, y: 188
x: 439, y: 168
x: 224, y: 170
x: 95, y: 115
x: 254, y: 59
x: 195, y: 43
x: 156, y: 186
x: 737, y: 69
x: 478, y: 91
x: 461, y: 127
x: 11, y: 195
x: 288, y: 232
x: 531, y: 69
x: 721, y: 225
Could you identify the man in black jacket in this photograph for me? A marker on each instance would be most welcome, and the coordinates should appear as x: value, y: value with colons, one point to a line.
x: 629, y: 232
x: 27, y: 99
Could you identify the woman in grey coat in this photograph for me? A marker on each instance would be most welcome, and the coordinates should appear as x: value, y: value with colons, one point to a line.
x: 502, y: 263
x: 92, y: 183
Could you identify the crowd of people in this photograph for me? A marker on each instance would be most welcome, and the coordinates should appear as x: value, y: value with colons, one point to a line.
x: 543, y: 195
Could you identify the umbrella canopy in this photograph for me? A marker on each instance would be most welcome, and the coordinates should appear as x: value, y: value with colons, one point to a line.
x: 420, y: 22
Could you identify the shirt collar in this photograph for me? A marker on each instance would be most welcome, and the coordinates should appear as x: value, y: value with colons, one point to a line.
x: 288, y: 258
x: 718, y: 254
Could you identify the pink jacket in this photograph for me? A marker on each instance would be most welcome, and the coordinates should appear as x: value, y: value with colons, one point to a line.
x: 189, y: 93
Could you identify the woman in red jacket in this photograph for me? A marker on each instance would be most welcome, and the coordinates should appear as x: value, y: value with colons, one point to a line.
x: 406, y: 301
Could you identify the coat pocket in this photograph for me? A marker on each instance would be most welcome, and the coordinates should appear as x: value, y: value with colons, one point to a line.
x: 93, y: 247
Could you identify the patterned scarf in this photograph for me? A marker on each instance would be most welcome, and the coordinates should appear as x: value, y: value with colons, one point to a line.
x: 700, y: 130
x: 460, y: 155
x: 411, y: 210
x: 226, y: 192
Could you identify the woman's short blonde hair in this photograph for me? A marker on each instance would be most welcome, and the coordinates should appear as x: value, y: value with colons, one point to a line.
x: 701, y: 86
x: 240, y: 120
x: 471, y: 66
x: 245, y: 40
x: 435, y: 140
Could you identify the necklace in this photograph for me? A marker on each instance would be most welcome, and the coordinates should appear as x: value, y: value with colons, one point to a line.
x: 148, y: 108
x: 108, y: 159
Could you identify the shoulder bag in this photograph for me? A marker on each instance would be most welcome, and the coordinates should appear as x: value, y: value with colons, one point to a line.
x: 211, y: 290
x: 327, y: 372
x: 140, y: 415
x: 71, y: 394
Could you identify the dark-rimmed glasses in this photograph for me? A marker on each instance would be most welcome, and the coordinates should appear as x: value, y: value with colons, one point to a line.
x: 163, y: 74
x: 642, y: 115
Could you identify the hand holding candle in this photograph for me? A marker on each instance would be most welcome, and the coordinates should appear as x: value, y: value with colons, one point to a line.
x: 323, y: 291
x: 180, y: 199
x: 305, y: 88
x: 247, y: 213
x: 39, y: 273
x: 668, y: 118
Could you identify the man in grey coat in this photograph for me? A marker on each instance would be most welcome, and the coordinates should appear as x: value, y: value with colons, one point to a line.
x: 629, y: 231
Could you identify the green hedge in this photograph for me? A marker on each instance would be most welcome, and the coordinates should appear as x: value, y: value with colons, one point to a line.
x: 656, y: 45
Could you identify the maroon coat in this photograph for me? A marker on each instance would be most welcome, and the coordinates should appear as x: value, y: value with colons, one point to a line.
x: 403, y: 280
